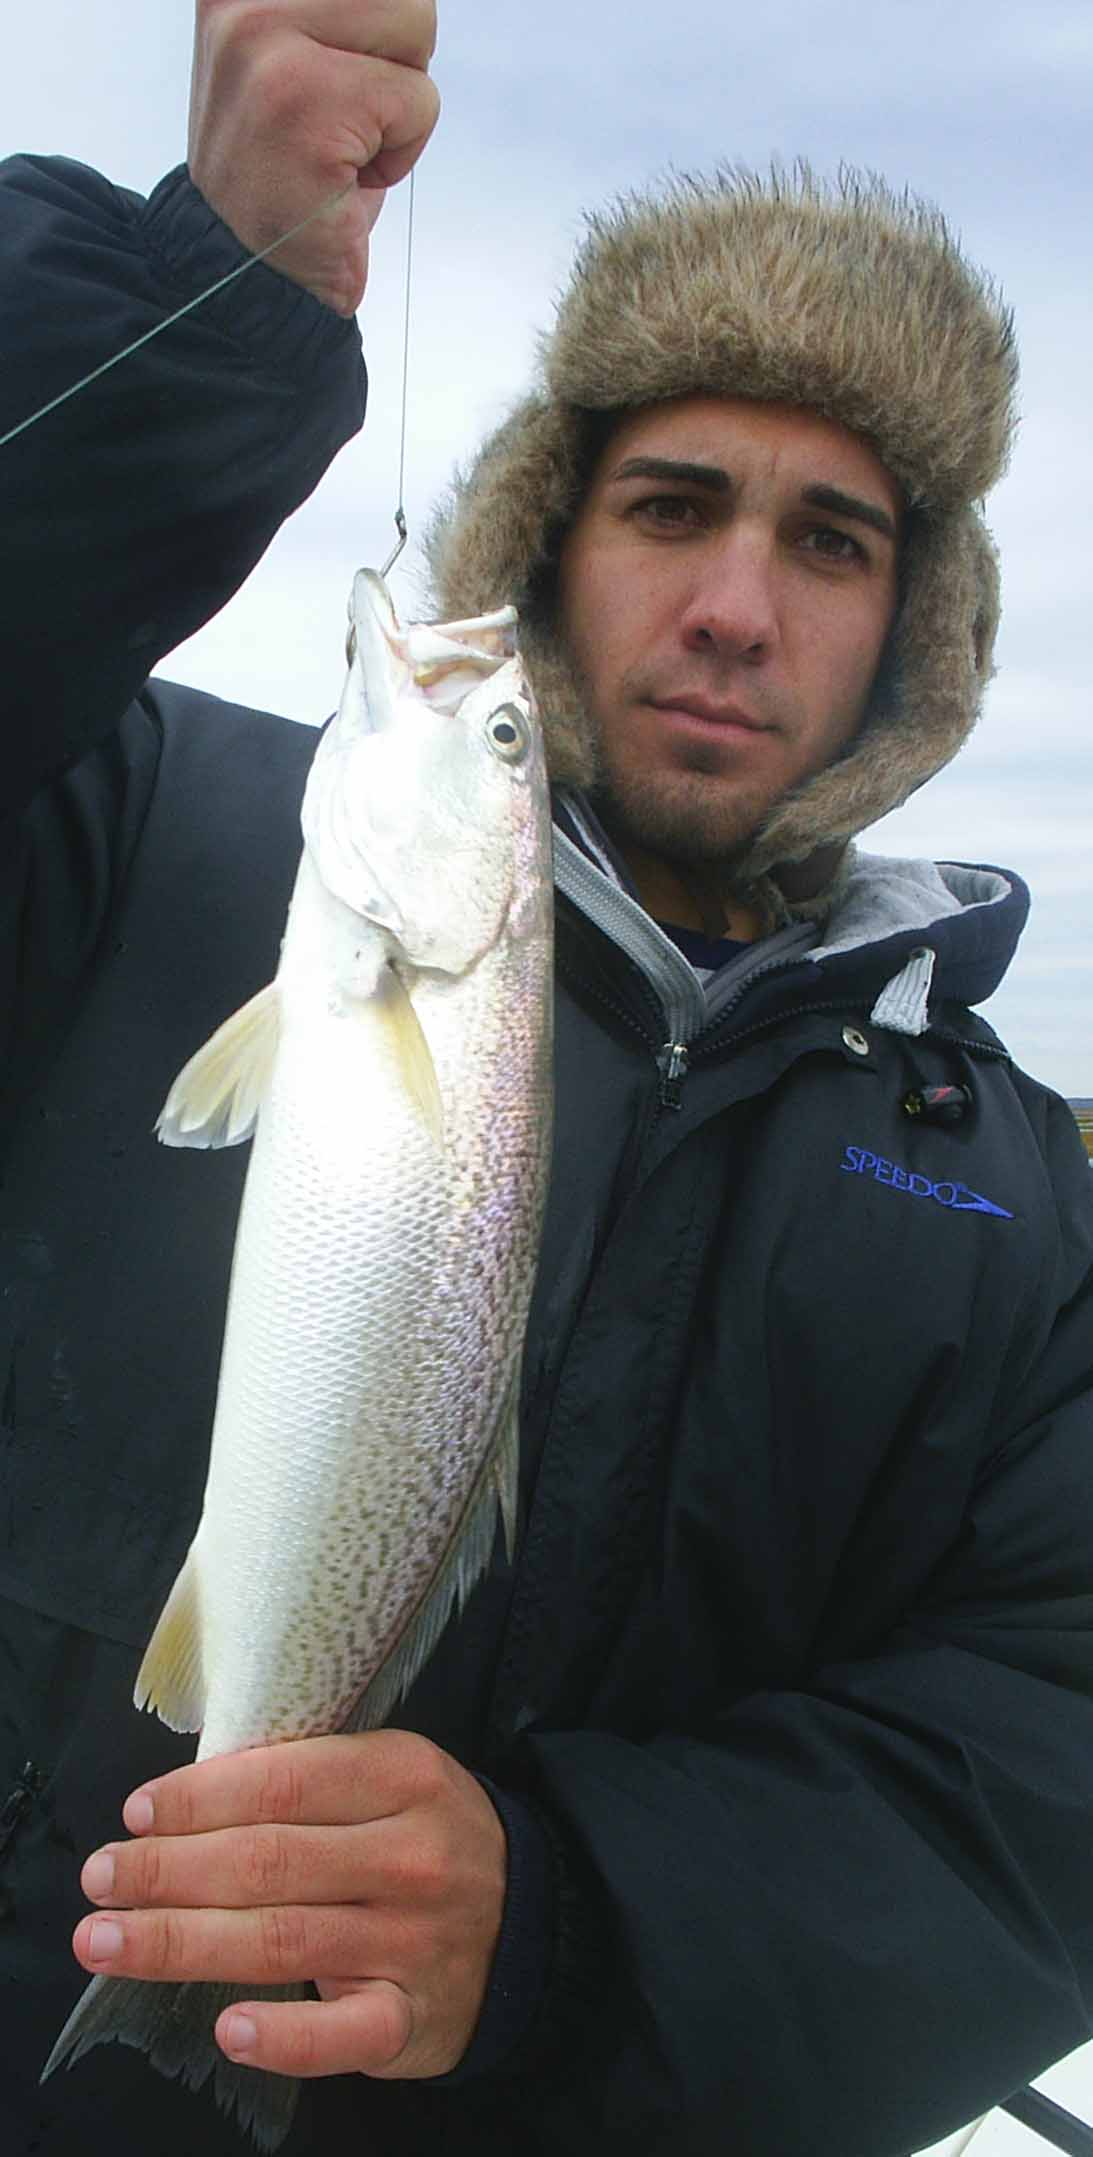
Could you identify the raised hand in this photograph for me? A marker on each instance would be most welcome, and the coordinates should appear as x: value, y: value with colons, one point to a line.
x: 292, y: 100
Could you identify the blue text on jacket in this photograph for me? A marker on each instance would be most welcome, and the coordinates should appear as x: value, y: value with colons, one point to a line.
x: 858, y: 1161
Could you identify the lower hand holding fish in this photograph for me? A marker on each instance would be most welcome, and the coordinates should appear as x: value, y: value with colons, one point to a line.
x: 373, y: 1866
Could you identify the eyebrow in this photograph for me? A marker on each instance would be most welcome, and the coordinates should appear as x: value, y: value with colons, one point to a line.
x: 716, y: 480
x: 849, y: 505
x: 695, y: 475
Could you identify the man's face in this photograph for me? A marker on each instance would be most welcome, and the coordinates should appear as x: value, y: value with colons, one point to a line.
x: 726, y: 590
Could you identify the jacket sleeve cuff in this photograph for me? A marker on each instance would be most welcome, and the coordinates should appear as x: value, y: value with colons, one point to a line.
x: 525, y: 1946
x: 261, y: 310
x: 553, y: 1955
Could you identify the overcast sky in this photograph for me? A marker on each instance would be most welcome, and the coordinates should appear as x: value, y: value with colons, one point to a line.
x: 984, y: 107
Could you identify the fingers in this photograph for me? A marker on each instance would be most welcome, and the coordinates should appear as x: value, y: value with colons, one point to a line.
x: 283, y: 1944
x: 399, y: 30
x: 395, y: 123
x: 405, y: 1861
x: 235, y: 1869
x: 297, y: 102
x: 316, y: 1782
x: 365, y: 2032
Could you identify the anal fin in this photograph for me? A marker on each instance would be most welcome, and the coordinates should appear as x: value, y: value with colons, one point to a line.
x: 171, y: 1678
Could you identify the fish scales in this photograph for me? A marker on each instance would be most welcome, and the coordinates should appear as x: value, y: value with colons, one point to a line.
x: 396, y: 1080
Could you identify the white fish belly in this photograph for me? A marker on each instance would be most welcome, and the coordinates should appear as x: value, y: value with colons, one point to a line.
x: 329, y: 1500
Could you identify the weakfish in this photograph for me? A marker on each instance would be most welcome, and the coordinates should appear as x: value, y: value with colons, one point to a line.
x: 396, y: 1079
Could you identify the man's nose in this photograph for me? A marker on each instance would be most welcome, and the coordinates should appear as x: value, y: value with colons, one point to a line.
x: 730, y: 605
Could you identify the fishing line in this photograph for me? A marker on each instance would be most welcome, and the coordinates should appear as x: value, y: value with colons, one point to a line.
x: 86, y: 380
x: 400, y: 513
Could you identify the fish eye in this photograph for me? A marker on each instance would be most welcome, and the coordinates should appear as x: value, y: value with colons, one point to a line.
x: 507, y: 733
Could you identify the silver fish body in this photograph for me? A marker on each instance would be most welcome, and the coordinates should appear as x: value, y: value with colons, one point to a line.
x: 396, y: 1077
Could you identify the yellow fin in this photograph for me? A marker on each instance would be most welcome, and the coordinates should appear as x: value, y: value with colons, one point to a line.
x: 216, y: 1097
x: 392, y: 1006
x: 171, y: 1678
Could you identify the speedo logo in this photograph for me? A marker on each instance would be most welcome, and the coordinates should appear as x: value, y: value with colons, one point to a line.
x: 957, y: 1197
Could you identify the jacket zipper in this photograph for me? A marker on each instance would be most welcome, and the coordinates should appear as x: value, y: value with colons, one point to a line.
x: 674, y: 1059
x: 673, y: 1062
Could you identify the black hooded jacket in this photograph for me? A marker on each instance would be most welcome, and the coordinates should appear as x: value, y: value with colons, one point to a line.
x: 788, y: 1696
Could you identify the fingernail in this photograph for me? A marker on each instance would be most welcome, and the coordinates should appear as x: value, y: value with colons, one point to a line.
x: 139, y: 1813
x: 97, y: 1877
x: 106, y: 1940
x: 240, y: 2036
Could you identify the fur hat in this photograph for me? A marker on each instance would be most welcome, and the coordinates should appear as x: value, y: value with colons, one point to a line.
x: 844, y: 298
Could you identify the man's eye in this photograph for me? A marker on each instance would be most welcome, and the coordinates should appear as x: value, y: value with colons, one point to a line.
x: 835, y: 546
x: 670, y: 511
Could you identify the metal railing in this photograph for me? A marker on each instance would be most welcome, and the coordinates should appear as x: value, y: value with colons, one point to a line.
x: 1083, y: 1116
x: 1055, y: 2126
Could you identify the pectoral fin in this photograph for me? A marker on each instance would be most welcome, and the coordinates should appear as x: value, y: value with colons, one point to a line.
x: 216, y: 1097
x: 391, y: 1006
x: 171, y: 1679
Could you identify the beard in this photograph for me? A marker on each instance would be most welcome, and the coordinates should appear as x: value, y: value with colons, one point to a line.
x: 681, y: 817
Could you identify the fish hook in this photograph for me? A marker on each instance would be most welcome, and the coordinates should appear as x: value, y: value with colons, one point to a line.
x: 400, y: 527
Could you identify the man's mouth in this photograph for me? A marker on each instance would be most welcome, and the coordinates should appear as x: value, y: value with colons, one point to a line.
x: 706, y: 712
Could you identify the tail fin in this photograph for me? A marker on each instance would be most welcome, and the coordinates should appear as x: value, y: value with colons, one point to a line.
x: 173, y: 2024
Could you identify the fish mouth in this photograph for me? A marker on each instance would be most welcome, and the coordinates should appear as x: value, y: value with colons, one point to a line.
x: 447, y: 656
x: 440, y: 662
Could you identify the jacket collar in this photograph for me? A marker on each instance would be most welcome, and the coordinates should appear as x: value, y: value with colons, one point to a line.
x: 913, y: 931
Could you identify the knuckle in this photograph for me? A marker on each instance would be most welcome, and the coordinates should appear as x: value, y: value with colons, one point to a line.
x: 240, y: 22
x: 165, y: 1945
x: 300, y: 2052
x: 283, y: 1933
x: 264, y: 1865
x: 279, y: 1798
x: 390, y: 2026
x: 275, y: 86
x: 146, y: 1873
x: 430, y: 1865
x: 429, y: 100
x: 176, y: 1806
x: 427, y: 1767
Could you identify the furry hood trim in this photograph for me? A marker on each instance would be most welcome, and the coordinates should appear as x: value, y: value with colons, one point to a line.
x: 847, y: 299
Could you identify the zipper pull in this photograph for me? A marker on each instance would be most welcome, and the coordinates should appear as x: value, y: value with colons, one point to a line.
x: 672, y: 1062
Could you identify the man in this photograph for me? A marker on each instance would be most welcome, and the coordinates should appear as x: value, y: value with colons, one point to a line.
x: 750, y: 1808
